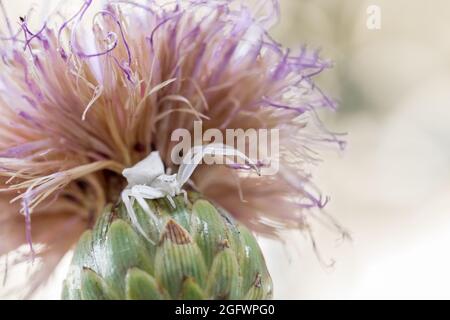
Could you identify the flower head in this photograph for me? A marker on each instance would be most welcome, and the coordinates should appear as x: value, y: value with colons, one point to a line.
x: 79, y: 103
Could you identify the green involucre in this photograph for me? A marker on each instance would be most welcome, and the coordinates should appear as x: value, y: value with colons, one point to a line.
x: 196, y: 251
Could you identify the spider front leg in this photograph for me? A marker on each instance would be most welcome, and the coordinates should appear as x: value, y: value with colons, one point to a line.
x: 148, y: 192
x: 128, y: 197
x: 196, y: 155
x: 172, y: 202
x: 185, y: 194
x: 144, y: 205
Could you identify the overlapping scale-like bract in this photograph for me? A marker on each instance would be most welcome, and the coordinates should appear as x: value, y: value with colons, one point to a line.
x: 193, y: 251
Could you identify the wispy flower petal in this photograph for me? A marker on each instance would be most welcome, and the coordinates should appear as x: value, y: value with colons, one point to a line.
x: 74, y: 112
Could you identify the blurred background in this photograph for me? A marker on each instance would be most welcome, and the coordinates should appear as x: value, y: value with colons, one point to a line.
x: 391, y: 187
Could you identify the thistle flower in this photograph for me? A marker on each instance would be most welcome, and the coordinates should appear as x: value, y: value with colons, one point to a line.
x: 79, y: 104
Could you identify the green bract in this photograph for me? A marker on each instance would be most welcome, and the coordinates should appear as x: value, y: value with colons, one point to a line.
x: 194, y: 251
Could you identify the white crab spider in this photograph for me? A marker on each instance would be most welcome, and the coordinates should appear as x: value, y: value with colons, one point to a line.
x: 148, y: 180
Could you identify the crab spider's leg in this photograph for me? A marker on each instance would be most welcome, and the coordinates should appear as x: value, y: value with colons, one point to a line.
x: 172, y: 203
x: 185, y: 194
x: 126, y: 195
x: 196, y: 154
x: 144, y: 205
x: 127, y: 202
x: 152, y: 193
x: 148, y: 192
